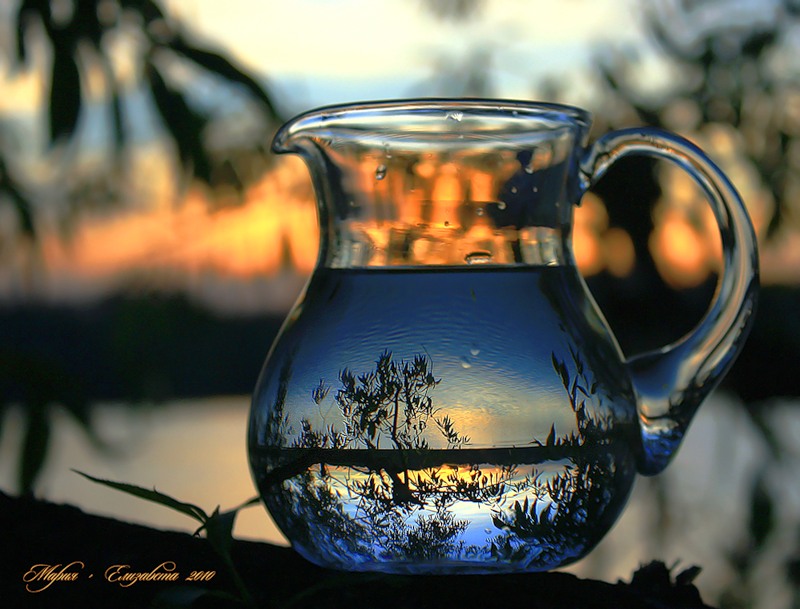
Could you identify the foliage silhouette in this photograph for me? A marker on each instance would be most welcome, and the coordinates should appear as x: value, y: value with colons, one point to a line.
x: 81, y: 36
x: 573, y: 497
x: 727, y: 76
x: 218, y: 528
x: 390, y: 404
x: 374, y: 489
x: 735, y: 75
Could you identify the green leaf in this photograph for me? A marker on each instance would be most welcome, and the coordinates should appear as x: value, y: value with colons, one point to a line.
x: 219, y: 530
x: 22, y: 17
x: 249, y: 503
x: 223, y: 67
x: 149, y: 11
x: 27, y: 10
x: 85, y: 22
x: 183, y: 123
x: 65, y: 94
x: 21, y: 205
x: 34, y: 448
x: 115, y: 103
x: 687, y: 576
x: 551, y: 437
x: 156, y: 497
x: 762, y: 512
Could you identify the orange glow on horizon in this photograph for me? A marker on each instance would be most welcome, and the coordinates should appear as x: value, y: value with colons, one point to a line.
x: 239, y: 241
x: 275, y: 228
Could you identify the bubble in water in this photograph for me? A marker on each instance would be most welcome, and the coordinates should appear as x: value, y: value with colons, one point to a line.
x: 465, y: 363
x: 479, y: 257
x: 535, y: 189
x: 380, y: 172
x: 501, y: 205
x: 514, y: 190
x: 474, y: 350
x: 447, y: 222
x: 479, y: 211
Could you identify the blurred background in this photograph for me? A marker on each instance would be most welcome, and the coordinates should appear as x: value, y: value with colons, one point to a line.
x: 150, y: 244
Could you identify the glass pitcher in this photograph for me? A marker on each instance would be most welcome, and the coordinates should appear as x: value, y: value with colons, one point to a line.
x: 445, y: 396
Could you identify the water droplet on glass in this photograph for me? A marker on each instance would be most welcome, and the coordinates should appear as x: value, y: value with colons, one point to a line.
x: 501, y: 205
x: 474, y: 350
x: 480, y: 257
x: 380, y: 172
x: 465, y: 363
x: 454, y: 115
x: 514, y: 190
x: 535, y: 189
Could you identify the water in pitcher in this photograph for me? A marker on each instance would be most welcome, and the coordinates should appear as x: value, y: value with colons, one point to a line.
x: 411, y: 419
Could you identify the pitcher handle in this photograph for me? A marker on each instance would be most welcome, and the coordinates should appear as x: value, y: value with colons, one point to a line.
x: 671, y: 382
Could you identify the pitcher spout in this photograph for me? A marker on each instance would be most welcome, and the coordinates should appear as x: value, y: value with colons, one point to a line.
x: 433, y: 182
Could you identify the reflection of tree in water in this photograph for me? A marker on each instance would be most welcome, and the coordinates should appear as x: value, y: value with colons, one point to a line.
x: 374, y: 488
x: 562, y: 505
x: 403, y: 510
x: 390, y: 403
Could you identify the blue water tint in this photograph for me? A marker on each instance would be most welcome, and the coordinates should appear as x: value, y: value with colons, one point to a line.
x: 444, y: 421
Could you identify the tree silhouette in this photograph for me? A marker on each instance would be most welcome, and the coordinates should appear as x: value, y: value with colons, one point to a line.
x: 736, y: 76
x: 401, y: 510
x: 393, y: 402
x: 375, y: 479
x: 84, y: 37
x: 567, y: 511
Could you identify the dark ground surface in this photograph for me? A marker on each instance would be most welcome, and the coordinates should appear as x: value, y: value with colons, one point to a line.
x: 34, y: 532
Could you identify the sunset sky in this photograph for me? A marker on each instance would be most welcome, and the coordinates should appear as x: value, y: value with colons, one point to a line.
x: 375, y: 50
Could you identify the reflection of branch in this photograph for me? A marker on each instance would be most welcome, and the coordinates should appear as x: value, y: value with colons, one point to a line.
x: 297, y: 460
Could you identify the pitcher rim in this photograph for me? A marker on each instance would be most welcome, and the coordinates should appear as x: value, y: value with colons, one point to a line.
x: 350, y: 111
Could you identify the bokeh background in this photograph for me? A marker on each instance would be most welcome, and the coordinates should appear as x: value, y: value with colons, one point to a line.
x: 150, y: 244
